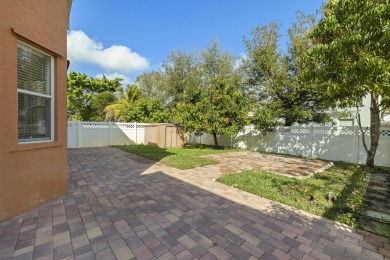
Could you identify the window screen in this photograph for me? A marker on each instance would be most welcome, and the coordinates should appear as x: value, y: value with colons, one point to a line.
x: 35, y: 97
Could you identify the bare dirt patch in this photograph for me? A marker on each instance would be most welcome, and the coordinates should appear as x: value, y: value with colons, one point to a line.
x: 285, y: 165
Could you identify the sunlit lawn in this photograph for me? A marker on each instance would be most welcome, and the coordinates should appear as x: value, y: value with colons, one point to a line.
x: 180, y: 158
x: 346, y: 181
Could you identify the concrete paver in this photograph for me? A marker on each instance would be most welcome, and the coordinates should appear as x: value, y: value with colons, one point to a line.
x: 281, y: 164
x: 124, y: 207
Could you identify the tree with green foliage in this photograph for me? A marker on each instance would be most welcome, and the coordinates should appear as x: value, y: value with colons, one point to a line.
x: 351, y: 58
x: 129, y: 95
x: 224, y: 109
x: 215, y: 104
x: 181, y: 71
x: 189, y: 112
x: 99, y: 102
x: 81, y: 89
x: 264, y: 118
x: 145, y: 111
x: 220, y: 109
x: 152, y: 85
x: 273, y: 79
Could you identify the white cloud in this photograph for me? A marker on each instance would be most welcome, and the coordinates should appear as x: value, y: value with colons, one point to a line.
x: 125, y: 81
x: 119, y: 58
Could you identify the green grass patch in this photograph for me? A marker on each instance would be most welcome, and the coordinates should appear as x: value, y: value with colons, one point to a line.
x: 180, y: 158
x: 346, y: 181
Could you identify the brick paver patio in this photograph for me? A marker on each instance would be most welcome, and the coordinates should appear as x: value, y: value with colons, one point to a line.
x: 285, y: 165
x: 120, y: 206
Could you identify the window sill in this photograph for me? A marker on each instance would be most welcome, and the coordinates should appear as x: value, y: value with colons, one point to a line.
x: 35, y: 146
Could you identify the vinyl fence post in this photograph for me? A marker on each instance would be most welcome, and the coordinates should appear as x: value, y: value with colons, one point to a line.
x: 251, y: 142
x: 358, y: 144
x: 109, y: 133
x: 136, y: 133
x: 78, y: 134
x: 312, y: 140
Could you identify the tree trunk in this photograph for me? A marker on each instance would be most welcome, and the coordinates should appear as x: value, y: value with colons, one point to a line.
x: 181, y: 133
x: 288, y: 121
x: 215, y: 140
x: 375, y: 124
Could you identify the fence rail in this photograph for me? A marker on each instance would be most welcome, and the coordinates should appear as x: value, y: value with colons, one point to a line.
x: 97, y: 134
x: 328, y: 143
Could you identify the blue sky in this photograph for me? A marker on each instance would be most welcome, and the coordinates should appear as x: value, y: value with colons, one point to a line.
x: 124, y: 38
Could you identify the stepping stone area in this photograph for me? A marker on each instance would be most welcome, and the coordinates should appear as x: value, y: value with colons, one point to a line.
x: 378, y: 201
x: 126, y: 207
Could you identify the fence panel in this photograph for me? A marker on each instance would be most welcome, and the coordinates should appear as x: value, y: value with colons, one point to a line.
x: 98, y: 134
x: 72, y: 135
x: 383, y: 152
x: 208, y: 139
x: 291, y: 140
x: 328, y: 143
x: 335, y: 143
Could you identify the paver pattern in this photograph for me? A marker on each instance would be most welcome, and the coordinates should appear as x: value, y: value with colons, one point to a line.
x: 284, y: 165
x: 120, y: 206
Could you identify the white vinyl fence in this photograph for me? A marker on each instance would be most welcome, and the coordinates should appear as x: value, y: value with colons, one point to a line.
x: 97, y: 134
x: 328, y: 143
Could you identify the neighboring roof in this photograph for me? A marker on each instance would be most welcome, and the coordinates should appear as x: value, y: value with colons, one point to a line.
x: 69, y: 8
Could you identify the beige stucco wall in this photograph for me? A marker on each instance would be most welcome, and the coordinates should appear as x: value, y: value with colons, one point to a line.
x: 31, y: 174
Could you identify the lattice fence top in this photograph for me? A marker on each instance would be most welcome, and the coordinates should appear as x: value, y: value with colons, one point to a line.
x: 318, y: 130
x: 323, y: 130
x: 315, y: 130
x: 72, y: 124
x: 94, y: 125
x: 385, y: 132
x: 347, y: 130
x: 102, y: 125
x: 124, y: 125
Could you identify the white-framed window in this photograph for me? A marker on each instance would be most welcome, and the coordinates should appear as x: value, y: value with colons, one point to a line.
x: 35, y: 84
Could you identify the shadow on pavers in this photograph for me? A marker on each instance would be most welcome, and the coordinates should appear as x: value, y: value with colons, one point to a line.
x: 157, y: 213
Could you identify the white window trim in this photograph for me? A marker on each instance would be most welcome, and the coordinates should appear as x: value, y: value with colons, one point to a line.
x: 51, y: 96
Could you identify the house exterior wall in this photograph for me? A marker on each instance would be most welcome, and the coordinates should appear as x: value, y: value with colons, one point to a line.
x: 364, y: 114
x: 31, y: 173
